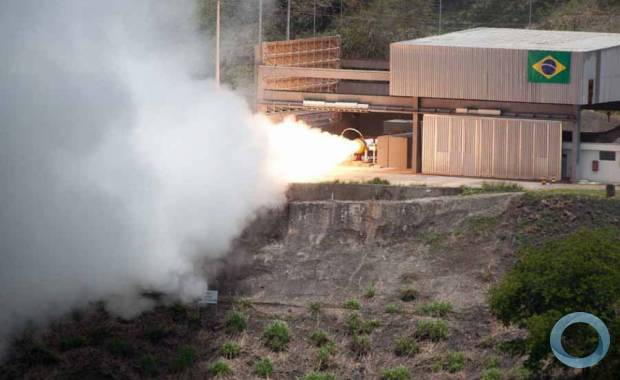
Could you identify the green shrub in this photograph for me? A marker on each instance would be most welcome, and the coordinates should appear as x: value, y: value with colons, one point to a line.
x: 119, y: 347
x: 361, y: 345
x: 220, y: 368
x: 319, y: 338
x: 323, y: 356
x: 370, y: 291
x: 263, y: 368
x: 491, y: 374
x: 437, y: 309
x: 352, y: 304
x: 276, y: 335
x: 408, y: 294
x: 236, y: 323
x: 72, y: 342
x: 354, y: 323
x: 393, y: 308
x: 493, y: 362
x: 557, y: 278
x: 396, y: 373
x: 99, y: 335
x: 230, y: 350
x: 185, y: 358
x: 148, y: 366
x: 455, y: 362
x: 406, y: 347
x: 357, y: 325
x: 451, y: 362
x: 318, y: 376
x: 315, y: 308
x: 434, y: 330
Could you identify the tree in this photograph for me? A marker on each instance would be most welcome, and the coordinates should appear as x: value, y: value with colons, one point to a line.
x: 578, y: 273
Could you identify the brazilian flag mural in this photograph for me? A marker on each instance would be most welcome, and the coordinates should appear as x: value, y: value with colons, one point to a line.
x: 548, y: 66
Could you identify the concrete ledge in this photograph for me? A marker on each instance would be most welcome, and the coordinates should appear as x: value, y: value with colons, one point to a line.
x: 300, y: 192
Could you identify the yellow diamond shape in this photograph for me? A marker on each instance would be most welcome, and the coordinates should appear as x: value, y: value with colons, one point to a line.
x: 549, y: 67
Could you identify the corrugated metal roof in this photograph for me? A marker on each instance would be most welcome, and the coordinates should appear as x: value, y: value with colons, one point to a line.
x: 525, y: 39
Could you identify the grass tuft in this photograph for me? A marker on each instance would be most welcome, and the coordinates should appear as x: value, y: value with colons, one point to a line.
x: 393, y: 308
x: 318, y: 376
x: 434, y: 330
x: 396, y: 373
x: 263, y: 368
x: 276, y: 335
x: 236, y: 323
x: 406, y: 347
x: 319, y: 338
x: 230, y: 350
x: 352, y: 304
x: 361, y: 345
x: 370, y: 291
x: 185, y: 357
x: 437, y: 309
x: 220, y: 369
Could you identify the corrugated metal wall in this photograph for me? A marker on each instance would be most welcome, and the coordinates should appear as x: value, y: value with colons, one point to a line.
x: 475, y: 73
x: 609, y: 90
x: 491, y: 147
x: 392, y: 152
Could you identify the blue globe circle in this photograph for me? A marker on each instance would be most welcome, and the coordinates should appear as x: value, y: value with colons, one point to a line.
x: 548, y: 66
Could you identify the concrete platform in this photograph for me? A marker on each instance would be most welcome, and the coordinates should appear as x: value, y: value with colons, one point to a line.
x: 348, y: 172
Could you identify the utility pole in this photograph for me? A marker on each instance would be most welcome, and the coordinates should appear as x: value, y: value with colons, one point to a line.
x: 440, y: 11
x: 260, y: 21
x: 529, y: 25
x: 288, y: 20
x: 314, y: 20
x: 217, y: 46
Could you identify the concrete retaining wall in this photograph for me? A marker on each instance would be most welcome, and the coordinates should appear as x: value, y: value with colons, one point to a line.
x: 313, y: 222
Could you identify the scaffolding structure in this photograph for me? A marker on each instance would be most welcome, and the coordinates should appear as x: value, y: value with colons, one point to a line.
x: 319, y: 52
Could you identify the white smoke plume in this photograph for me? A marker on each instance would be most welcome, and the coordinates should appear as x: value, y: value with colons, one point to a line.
x: 119, y: 170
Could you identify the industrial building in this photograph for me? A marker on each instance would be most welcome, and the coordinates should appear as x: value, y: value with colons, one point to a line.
x: 484, y: 102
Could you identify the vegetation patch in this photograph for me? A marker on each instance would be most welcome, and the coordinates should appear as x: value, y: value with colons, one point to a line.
x: 492, y: 374
x: 437, y: 309
x: 148, y: 365
x: 352, y: 304
x: 557, y: 278
x: 263, y: 368
x: 393, y: 308
x: 185, y: 358
x: 323, y: 356
x: 236, y: 323
x: 276, y: 335
x: 355, y: 324
x: 361, y: 345
x: 450, y: 362
x: 230, y: 350
x: 220, y: 369
x: 396, y: 373
x: 318, y: 376
x: 319, y: 338
x: 492, y: 187
x: 370, y: 291
x: 434, y: 330
x: 406, y: 346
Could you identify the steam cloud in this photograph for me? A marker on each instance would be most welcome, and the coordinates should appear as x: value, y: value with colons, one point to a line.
x: 119, y: 170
